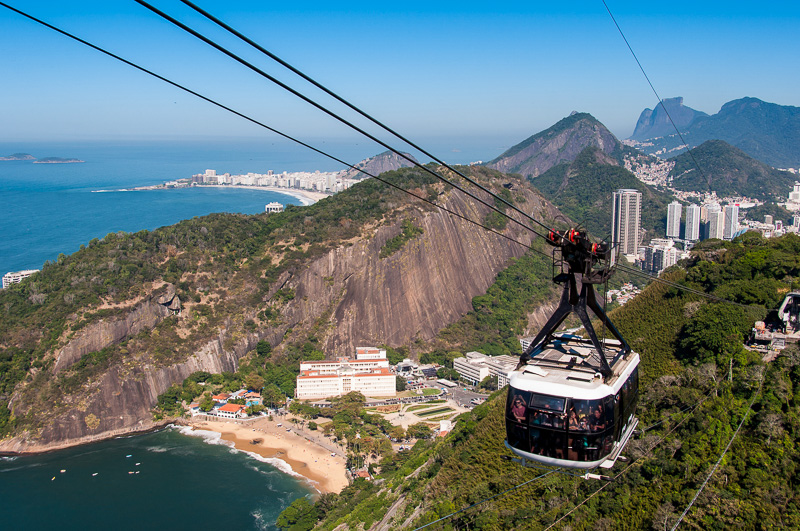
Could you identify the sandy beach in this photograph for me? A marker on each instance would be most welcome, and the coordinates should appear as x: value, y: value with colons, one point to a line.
x: 306, y: 197
x: 326, y: 473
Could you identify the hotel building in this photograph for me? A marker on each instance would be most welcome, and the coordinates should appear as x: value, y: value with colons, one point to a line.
x: 368, y: 374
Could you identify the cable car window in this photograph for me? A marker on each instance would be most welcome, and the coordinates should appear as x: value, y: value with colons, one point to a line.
x: 547, y: 403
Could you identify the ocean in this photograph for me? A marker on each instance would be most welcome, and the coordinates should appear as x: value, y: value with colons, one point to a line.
x: 160, y: 480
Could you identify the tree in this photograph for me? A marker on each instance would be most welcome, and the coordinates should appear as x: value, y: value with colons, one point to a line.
x: 254, y: 381
x: 397, y: 433
x: 489, y: 383
x: 301, y: 515
x: 400, y: 383
x: 419, y: 431
x: 207, y: 403
x: 312, y: 426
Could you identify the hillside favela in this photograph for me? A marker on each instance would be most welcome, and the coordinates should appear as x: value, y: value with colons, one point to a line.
x: 235, y: 296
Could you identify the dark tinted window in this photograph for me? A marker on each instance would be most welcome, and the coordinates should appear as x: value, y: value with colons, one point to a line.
x: 547, y: 403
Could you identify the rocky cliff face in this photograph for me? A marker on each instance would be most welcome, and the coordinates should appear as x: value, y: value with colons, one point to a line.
x: 348, y: 296
x: 656, y: 122
x: 562, y: 142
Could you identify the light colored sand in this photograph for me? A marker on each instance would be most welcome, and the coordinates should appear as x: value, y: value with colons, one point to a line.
x: 315, y: 463
x: 306, y: 197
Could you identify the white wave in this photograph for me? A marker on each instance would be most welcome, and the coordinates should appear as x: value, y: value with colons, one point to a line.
x: 213, y: 437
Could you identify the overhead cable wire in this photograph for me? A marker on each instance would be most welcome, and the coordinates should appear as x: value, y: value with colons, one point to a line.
x: 670, y: 283
x: 714, y: 468
x: 363, y: 113
x: 265, y: 126
x: 446, y: 517
x: 332, y: 114
x: 660, y: 101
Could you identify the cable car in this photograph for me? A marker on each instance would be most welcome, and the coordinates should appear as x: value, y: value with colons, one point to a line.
x: 572, y: 400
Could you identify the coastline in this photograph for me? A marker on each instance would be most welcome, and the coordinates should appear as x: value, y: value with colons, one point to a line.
x: 306, y: 197
x: 281, y: 447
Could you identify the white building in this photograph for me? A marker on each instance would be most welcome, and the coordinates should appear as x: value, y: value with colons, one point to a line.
x: 716, y: 223
x: 794, y: 198
x: 625, y: 220
x: 659, y: 255
x: 273, y: 207
x: 692, y: 232
x: 477, y: 366
x: 15, y: 277
x: 674, y: 212
x: 368, y: 374
x: 731, y: 221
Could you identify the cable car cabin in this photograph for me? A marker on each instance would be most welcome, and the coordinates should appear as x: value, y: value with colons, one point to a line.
x: 561, y: 412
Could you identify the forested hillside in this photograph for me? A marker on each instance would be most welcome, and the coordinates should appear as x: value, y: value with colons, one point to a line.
x: 729, y: 172
x: 583, y: 190
x: 700, y: 384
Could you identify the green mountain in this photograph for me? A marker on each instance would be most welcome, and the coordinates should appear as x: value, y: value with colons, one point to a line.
x: 698, y: 385
x: 583, y: 191
x: 558, y: 144
x: 766, y: 131
x: 729, y: 171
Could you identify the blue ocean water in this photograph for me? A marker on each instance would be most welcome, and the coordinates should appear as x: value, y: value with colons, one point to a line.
x: 49, y: 209
x: 170, y: 481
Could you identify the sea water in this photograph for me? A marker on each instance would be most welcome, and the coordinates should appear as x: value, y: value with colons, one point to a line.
x: 161, y: 480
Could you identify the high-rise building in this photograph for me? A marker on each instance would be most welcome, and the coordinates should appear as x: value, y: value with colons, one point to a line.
x: 625, y: 220
x: 731, y: 226
x: 692, y: 232
x: 716, y: 222
x: 674, y: 211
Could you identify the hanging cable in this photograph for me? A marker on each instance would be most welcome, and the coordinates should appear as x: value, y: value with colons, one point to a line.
x: 714, y: 468
x: 446, y: 517
x: 660, y: 101
x: 267, y: 127
x: 332, y: 114
x: 356, y: 109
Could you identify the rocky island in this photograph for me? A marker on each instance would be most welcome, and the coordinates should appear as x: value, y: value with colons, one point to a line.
x: 19, y: 156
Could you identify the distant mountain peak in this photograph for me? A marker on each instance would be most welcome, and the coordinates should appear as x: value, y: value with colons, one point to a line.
x: 386, y: 161
x: 656, y: 122
x: 562, y: 142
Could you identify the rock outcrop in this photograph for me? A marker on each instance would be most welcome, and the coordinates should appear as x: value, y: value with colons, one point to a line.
x: 562, y: 142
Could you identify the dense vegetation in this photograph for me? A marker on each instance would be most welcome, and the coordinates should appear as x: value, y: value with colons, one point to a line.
x: 777, y: 212
x: 730, y: 172
x: 689, y: 409
x: 583, y: 191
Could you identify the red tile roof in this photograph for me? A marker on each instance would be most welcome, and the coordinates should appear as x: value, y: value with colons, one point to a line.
x: 232, y: 408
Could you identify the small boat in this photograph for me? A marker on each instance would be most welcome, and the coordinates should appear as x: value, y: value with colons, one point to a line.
x: 137, y: 464
x: 95, y: 474
x: 130, y: 471
x: 129, y: 455
x: 63, y: 470
x: 54, y: 478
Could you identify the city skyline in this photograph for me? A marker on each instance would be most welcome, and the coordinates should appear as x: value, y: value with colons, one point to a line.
x: 444, y: 70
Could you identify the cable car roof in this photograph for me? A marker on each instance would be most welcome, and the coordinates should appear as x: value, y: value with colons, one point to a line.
x: 568, y: 367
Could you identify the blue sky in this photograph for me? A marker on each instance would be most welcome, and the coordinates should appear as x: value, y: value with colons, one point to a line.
x: 429, y: 69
